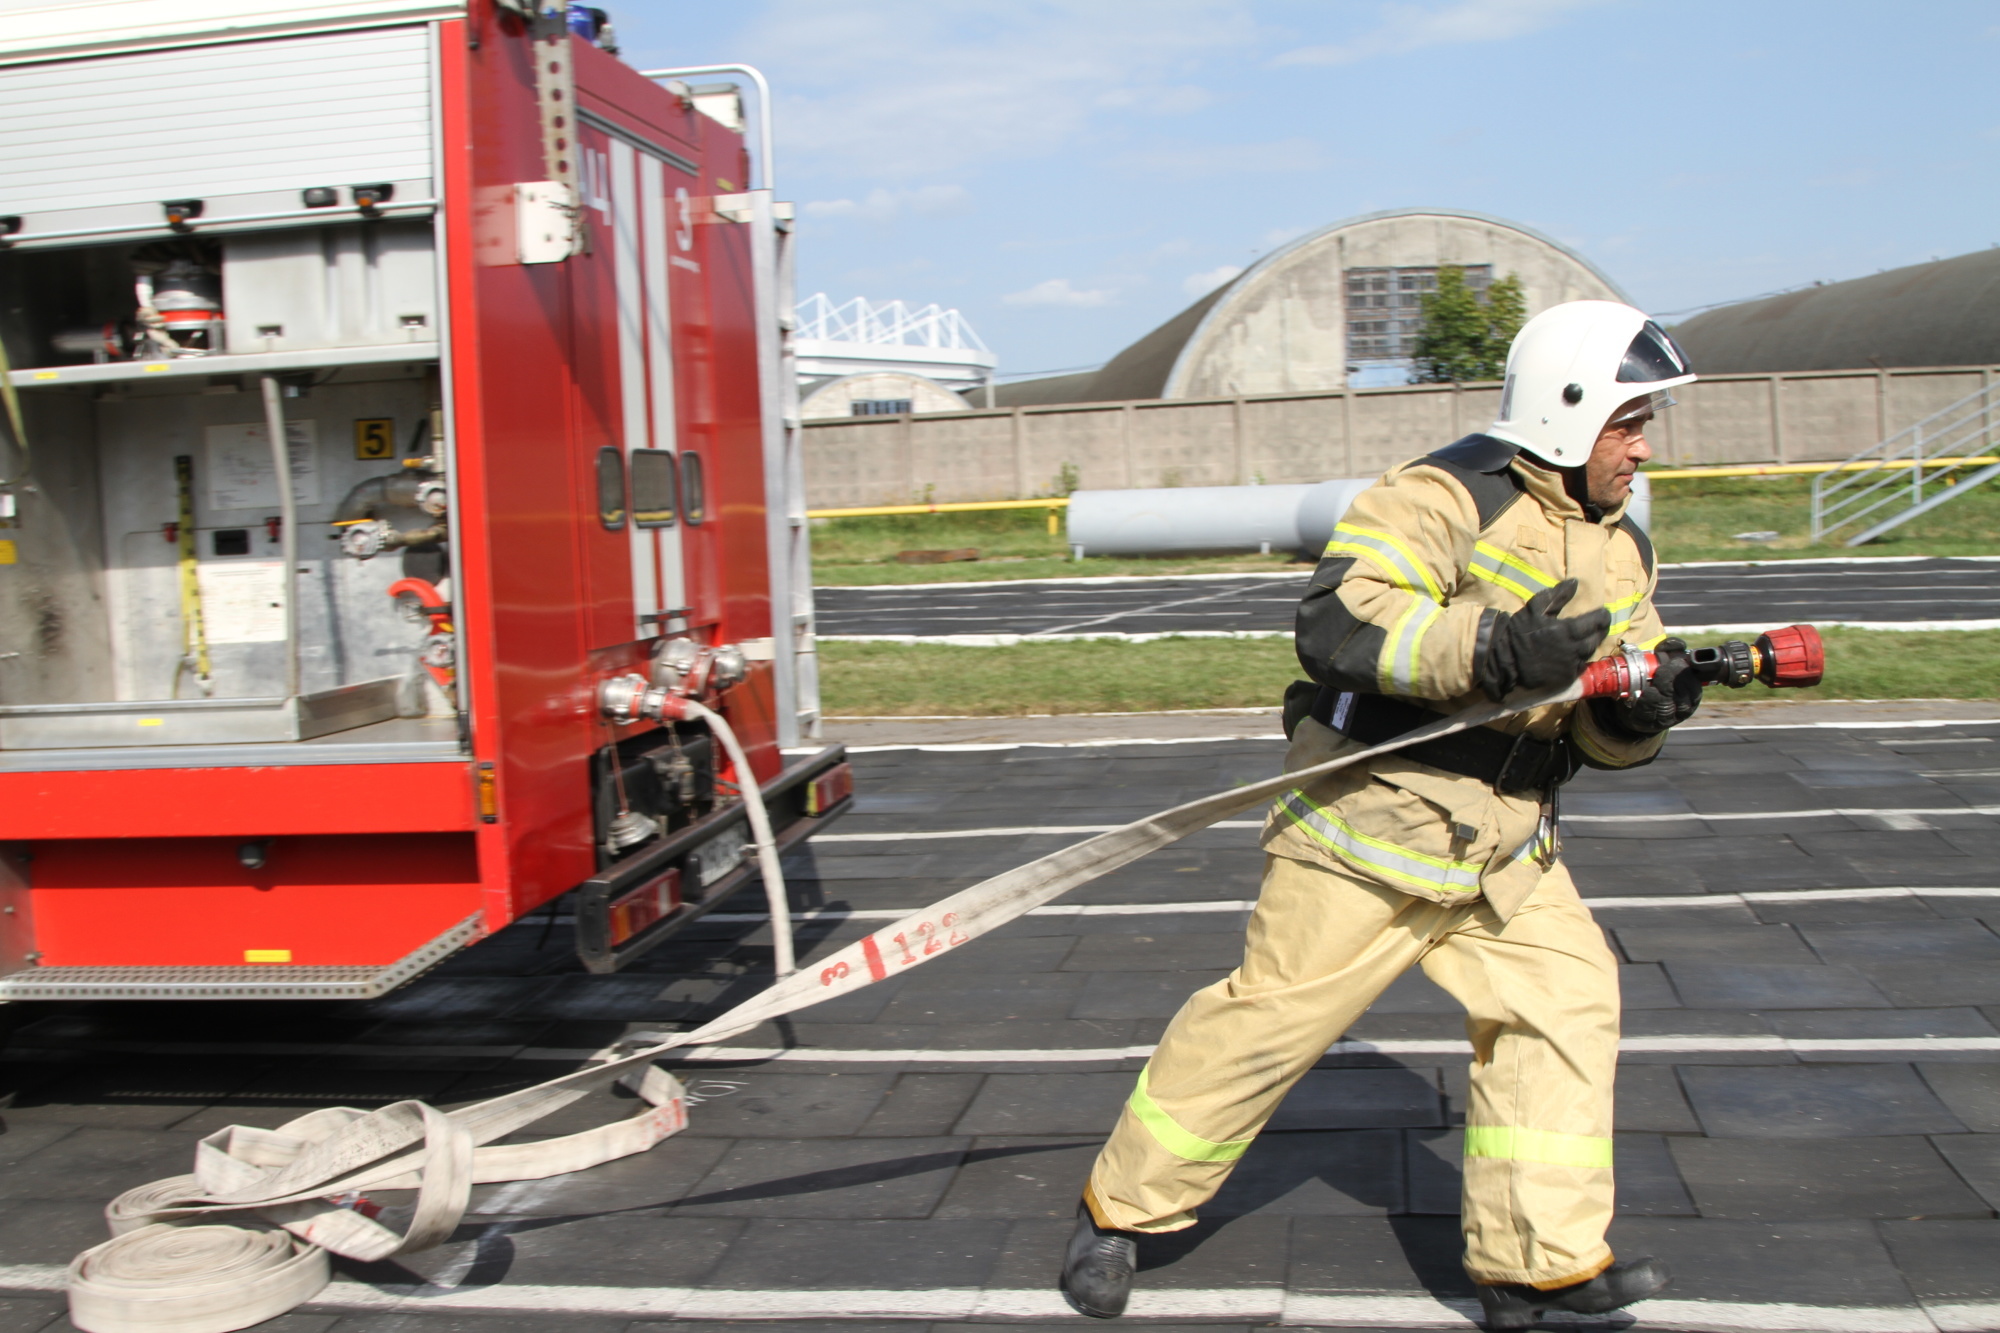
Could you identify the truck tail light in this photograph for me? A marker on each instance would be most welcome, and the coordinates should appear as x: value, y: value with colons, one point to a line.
x: 830, y: 789
x: 643, y: 906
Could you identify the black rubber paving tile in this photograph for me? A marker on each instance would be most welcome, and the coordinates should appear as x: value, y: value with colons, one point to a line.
x: 54, y: 1231
x: 1140, y: 994
x: 1018, y: 1104
x: 1217, y: 1252
x: 827, y: 1178
x: 1938, y: 985
x: 1812, y: 1263
x: 1836, y: 1023
x: 648, y: 1182
x: 775, y: 1255
x: 983, y: 998
x: 1763, y: 945
x: 502, y: 1037
x: 1659, y: 801
x: 132, y: 1094
x: 922, y: 1105
x: 1891, y: 847
x: 1695, y: 1022
x: 1815, y: 1102
x: 1415, y: 993
x: 861, y: 1006
x: 401, y: 1322
x: 1778, y: 1179
x: 1434, y: 1175
x: 1976, y: 1158
x: 776, y: 1326
x: 94, y: 1163
x: 1955, y: 906
x: 1773, y: 986
x: 1320, y: 1174
x: 1403, y: 1255
x: 618, y: 1250
x: 1147, y: 953
x: 18, y: 1140
x: 1649, y: 1184
x: 1648, y: 1099
x: 1017, y: 955
x: 27, y: 1314
x: 788, y: 1106
x: 1947, y: 1263
x: 1971, y: 1092
x: 1905, y: 942
x: 1645, y: 986
x: 1007, y: 1177
x: 632, y: 998
x: 293, y: 1090
x: 1360, y: 1099
x: 436, y: 998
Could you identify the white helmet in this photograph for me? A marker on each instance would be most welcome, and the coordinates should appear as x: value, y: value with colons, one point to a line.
x: 1573, y: 366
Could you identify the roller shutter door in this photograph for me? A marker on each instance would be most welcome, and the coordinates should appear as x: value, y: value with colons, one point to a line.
x: 106, y: 140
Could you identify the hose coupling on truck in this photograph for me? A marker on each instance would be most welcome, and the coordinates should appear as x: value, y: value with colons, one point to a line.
x: 682, y: 670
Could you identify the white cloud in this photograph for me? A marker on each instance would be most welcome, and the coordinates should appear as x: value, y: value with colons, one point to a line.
x: 1201, y: 284
x: 930, y: 201
x: 901, y: 88
x: 1057, y: 291
x: 1412, y: 27
x: 1183, y: 160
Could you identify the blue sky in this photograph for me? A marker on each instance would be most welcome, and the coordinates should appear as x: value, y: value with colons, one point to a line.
x: 1071, y: 172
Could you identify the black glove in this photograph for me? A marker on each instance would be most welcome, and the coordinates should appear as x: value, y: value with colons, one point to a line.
x: 1669, y: 698
x: 1537, y: 649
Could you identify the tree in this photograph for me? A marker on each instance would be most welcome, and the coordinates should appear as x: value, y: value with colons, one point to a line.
x: 1465, y: 336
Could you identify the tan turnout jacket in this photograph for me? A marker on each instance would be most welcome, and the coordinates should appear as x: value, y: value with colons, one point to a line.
x: 1395, y: 608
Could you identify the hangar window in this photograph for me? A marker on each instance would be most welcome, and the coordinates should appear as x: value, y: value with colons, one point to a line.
x: 1385, y: 312
x: 879, y: 407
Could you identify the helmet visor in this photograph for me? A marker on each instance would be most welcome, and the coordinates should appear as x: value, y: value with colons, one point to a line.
x: 1645, y: 405
x: 1653, y: 356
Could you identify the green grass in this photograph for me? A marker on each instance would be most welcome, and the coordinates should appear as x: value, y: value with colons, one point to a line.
x: 1012, y: 544
x: 882, y: 679
x: 1694, y: 519
x: 1697, y: 519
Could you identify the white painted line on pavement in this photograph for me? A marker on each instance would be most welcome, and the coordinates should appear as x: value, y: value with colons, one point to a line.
x: 953, y: 747
x: 1237, y: 1304
x: 1683, y: 631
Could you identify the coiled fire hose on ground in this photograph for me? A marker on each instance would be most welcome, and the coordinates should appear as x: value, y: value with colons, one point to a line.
x: 248, y: 1235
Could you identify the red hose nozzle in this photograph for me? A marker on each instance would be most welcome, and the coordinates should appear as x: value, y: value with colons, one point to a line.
x: 1791, y: 658
x: 1784, y: 659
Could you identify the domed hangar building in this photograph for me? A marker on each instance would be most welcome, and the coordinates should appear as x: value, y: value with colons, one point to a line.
x: 1336, y: 307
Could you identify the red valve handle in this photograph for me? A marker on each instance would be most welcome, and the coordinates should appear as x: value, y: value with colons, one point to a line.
x: 1791, y: 658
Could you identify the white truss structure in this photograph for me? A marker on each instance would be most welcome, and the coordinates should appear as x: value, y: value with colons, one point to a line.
x: 862, y: 336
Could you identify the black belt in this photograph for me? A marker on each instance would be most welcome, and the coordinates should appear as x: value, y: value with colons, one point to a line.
x: 1506, y: 763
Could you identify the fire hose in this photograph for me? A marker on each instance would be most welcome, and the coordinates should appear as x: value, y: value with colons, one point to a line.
x: 248, y: 1235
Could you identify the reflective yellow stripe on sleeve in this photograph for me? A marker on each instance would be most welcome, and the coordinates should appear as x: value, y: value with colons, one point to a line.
x: 1384, y: 858
x: 1494, y: 565
x: 1388, y: 554
x: 1397, y: 671
x: 1188, y: 1147
x: 1537, y: 1145
x: 1621, y: 612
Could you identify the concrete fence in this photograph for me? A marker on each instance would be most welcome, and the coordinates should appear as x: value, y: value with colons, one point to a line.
x: 1015, y: 453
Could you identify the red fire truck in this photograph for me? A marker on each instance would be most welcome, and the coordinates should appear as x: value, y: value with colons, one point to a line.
x: 401, y: 517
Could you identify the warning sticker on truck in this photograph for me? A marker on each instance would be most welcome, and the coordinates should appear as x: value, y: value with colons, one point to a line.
x: 242, y: 601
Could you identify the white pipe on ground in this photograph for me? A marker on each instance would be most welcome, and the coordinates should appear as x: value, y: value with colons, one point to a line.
x: 1187, y: 520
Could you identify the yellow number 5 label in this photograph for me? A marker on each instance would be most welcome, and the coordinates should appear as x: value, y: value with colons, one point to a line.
x: 374, y: 438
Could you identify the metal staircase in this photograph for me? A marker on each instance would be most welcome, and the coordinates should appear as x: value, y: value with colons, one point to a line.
x: 1913, y: 471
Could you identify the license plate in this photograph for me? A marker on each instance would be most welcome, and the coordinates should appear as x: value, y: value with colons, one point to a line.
x: 718, y: 856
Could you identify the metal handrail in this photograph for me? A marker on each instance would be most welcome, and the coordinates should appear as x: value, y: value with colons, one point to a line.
x: 1932, y: 450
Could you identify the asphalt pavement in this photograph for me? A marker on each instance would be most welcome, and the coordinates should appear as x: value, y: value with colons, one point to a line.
x: 1865, y: 591
x: 1808, y: 1121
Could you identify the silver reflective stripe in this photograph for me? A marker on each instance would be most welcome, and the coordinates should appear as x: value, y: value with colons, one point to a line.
x: 1538, y: 845
x: 1400, y: 656
x: 1384, y: 858
x: 1403, y: 567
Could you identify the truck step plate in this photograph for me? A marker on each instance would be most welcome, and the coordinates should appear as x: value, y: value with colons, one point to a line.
x: 256, y: 982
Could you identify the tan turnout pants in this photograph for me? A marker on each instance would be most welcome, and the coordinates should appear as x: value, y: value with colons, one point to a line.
x: 1541, y: 1000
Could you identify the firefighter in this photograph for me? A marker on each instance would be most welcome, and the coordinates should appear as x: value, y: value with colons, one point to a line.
x: 1496, y: 566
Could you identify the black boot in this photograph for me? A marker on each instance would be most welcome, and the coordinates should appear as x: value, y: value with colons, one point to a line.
x: 1097, y: 1268
x: 1512, y: 1305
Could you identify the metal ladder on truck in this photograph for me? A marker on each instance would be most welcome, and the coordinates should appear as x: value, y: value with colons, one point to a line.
x: 1935, y: 453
